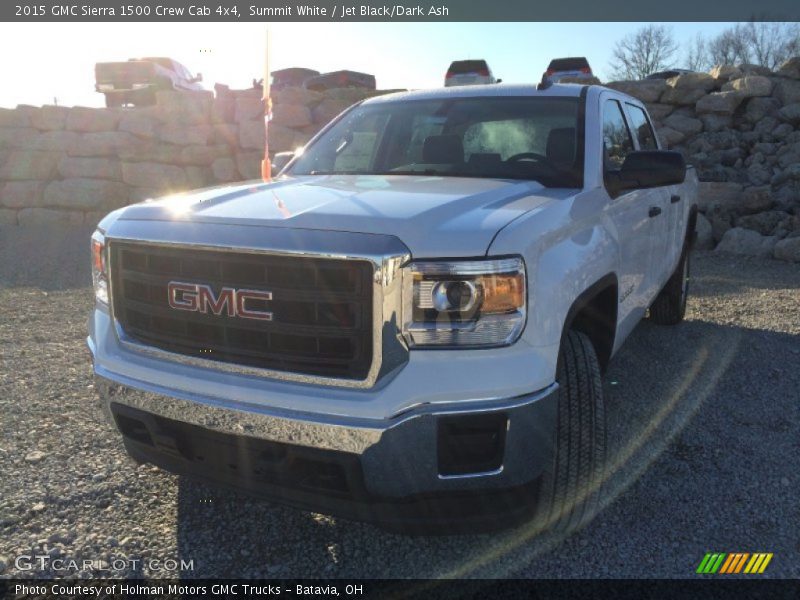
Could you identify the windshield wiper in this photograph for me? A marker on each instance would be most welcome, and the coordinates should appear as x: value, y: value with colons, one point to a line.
x: 426, y: 172
x: 467, y: 174
x: 336, y: 173
x: 409, y: 172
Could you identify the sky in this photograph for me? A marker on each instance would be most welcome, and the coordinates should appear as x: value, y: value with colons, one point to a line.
x: 45, y: 63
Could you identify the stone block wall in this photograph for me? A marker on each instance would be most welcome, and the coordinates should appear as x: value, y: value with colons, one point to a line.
x: 74, y: 165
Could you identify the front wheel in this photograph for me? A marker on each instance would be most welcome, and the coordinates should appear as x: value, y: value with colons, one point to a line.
x: 669, y: 307
x: 571, y: 489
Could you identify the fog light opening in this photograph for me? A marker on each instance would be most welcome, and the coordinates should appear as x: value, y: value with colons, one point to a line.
x: 471, y: 445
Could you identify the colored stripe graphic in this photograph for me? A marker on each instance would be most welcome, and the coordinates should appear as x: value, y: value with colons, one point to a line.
x: 728, y: 564
x: 711, y: 562
x: 765, y: 563
x: 733, y: 563
x: 755, y: 561
x: 702, y: 566
x: 741, y: 562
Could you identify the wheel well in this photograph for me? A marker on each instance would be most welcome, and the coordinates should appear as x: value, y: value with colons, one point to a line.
x: 594, y: 313
x: 691, y: 226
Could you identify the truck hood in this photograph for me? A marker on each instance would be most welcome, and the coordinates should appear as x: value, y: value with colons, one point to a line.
x: 433, y: 216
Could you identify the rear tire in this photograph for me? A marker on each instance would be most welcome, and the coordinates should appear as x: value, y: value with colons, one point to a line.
x: 571, y: 490
x: 669, y: 307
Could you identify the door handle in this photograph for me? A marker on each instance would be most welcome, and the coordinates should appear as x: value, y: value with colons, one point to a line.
x: 654, y: 211
x: 674, y: 199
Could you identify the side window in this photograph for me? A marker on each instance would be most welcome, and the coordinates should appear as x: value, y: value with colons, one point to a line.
x: 617, y: 141
x: 642, y: 128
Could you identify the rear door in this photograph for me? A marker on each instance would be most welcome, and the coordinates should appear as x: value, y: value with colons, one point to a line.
x: 668, y: 248
x: 639, y: 228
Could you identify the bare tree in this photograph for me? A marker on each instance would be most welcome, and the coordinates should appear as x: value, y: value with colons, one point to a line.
x: 764, y: 43
x: 697, y: 54
x: 647, y: 50
x: 730, y: 46
x: 771, y: 43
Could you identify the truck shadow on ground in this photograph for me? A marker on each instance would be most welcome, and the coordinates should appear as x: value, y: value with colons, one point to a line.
x: 664, y: 390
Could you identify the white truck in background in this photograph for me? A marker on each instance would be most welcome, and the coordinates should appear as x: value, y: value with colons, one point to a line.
x: 409, y: 325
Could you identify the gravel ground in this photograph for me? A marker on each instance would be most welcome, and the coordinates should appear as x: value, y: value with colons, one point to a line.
x: 703, y: 419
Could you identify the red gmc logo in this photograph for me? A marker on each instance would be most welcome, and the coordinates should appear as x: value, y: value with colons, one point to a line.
x: 197, y: 297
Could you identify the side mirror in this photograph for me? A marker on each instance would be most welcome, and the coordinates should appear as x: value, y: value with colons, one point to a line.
x: 651, y: 168
x: 280, y: 160
x: 198, y: 78
x: 499, y: 81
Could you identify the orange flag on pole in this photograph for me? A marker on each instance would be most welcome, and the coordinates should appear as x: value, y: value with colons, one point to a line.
x: 266, y: 165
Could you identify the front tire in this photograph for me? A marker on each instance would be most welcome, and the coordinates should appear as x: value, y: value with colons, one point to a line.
x: 669, y: 307
x: 571, y: 489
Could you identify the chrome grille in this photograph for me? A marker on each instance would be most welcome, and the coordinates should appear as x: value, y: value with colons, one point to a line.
x: 322, y: 308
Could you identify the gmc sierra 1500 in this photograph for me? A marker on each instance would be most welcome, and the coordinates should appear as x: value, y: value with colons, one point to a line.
x: 409, y: 325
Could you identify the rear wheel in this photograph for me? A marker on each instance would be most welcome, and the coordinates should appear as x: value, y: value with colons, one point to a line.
x: 571, y: 489
x: 669, y: 307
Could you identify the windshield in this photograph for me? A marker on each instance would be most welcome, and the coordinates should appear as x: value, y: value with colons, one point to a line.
x: 498, y: 137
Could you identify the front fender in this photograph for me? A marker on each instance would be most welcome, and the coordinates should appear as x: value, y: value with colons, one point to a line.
x: 568, y: 247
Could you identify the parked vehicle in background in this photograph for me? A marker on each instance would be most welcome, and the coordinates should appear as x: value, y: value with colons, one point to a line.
x: 669, y: 73
x: 137, y: 80
x: 291, y: 77
x: 469, y: 72
x: 576, y: 67
x: 340, y: 79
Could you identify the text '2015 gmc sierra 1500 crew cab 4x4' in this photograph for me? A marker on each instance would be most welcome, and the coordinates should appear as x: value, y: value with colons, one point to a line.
x: 408, y: 326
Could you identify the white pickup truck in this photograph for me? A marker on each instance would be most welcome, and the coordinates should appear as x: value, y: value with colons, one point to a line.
x: 409, y: 325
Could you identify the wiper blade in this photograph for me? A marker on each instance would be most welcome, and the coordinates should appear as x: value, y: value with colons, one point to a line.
x: 336, y: 173
x: 467, y: 174
x: 408, y: 172
x: 428, y: 172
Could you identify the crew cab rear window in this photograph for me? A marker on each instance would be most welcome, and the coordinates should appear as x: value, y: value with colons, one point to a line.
x: 642, y: 128
x: 617, y: 141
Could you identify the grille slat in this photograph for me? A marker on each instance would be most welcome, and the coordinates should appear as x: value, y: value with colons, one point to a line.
x: 292, y: 326
x: 222, y: 350
x: 299, y: 295
x: 322, y: 308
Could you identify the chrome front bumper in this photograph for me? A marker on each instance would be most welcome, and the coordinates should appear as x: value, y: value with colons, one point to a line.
x: 398, y: 457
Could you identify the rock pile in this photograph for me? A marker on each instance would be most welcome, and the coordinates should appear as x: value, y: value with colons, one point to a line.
x: 740, y: 126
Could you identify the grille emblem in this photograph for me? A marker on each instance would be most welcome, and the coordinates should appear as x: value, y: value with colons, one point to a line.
x: 199, y: 297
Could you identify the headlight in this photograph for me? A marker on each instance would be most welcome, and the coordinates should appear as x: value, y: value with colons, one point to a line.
x: 105, y: 87
x: 475, y: 303
x: 140, y: 86
x: 99, y: 267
